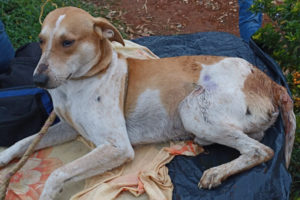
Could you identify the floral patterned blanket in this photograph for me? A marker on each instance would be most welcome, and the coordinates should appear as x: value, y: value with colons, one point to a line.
x: 28, y: 182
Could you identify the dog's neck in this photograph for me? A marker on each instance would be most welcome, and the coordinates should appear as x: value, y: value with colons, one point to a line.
x: 104, y: 61
x: 109, y: 87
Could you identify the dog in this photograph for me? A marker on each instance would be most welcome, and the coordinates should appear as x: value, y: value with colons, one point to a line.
x: 119, y: 102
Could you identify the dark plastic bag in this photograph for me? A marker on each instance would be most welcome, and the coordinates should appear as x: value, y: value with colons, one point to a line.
x: 23, y: 107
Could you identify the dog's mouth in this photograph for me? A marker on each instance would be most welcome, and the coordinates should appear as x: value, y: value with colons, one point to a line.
x: 58, y: 81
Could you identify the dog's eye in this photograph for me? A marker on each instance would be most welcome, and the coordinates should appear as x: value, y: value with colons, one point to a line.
x: 68, y: 43
x: 41, y: 41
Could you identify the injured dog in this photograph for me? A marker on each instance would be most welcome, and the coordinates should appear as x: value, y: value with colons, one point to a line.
x: 118, y: 102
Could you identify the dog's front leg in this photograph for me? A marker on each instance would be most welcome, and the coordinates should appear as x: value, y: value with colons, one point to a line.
x: 101, y: 159
x: 57, y: 134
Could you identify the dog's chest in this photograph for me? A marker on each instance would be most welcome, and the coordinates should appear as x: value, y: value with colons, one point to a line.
x: 88, y: 103
x: 76, y: 103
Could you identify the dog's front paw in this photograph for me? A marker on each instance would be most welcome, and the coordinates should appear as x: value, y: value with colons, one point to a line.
x: 47, y: 196
x: 49, y: 193
x: 53, y: 186
x: 211, y: 178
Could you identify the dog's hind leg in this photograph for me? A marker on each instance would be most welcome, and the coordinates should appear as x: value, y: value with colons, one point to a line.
x: 202, y: 118
x: 252, y: 153
x: 57, y: 134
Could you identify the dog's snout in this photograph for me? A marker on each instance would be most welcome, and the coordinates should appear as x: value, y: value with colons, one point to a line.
x: 42, y: 68
x: 40, y: 80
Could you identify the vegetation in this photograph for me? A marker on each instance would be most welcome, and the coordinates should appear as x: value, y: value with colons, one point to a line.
x: 22, y: 30
x: 281, y: 39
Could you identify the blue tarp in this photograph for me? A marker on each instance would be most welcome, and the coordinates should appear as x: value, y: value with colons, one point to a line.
x: 267, y: 181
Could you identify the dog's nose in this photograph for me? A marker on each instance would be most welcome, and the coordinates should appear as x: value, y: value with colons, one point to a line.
x: 40, y: 80
x: 42, y: 67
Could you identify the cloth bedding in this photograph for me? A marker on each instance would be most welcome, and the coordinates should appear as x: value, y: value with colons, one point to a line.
x: 147, y: 173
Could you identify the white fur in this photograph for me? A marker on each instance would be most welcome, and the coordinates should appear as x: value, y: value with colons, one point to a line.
x: 148, y: 111
x: 53, y: 32
x: 45, y: 30
x: 82, y: 64
x: 70, y: 95
x: 149, y: 122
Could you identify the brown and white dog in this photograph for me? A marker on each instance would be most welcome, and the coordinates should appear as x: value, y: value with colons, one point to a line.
x: 118, y: 102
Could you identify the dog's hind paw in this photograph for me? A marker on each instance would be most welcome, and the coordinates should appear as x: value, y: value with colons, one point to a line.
x: 211, y: 178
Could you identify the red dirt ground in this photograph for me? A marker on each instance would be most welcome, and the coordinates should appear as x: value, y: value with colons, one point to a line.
x: 171, y: 17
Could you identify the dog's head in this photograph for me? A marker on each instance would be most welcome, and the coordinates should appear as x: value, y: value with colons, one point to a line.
x: 73, y: 43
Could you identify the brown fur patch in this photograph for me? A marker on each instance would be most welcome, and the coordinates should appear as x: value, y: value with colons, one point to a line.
x: 259, y: 93
x: 105, y: 59
x: 174, y: 77
x: 103, y: 24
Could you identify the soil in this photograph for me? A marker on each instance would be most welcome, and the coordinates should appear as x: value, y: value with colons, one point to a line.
x: 171, y: 17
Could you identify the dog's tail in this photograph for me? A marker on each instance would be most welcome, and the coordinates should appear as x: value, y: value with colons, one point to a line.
x: 285, y: 103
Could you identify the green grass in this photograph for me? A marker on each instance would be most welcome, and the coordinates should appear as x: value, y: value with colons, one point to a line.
x: 21, y: 17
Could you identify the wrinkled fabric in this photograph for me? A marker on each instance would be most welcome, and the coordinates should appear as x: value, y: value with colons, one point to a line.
x: 147, y: 173
x: 28, y: 183
x: 270, y: 180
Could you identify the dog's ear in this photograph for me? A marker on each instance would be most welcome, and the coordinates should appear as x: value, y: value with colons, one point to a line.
x: 106, y: 30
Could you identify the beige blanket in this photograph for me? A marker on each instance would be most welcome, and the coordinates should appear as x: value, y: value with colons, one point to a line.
x: 147, y: 173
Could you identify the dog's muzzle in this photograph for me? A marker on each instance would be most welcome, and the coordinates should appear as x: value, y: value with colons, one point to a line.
x: 40, y: 80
